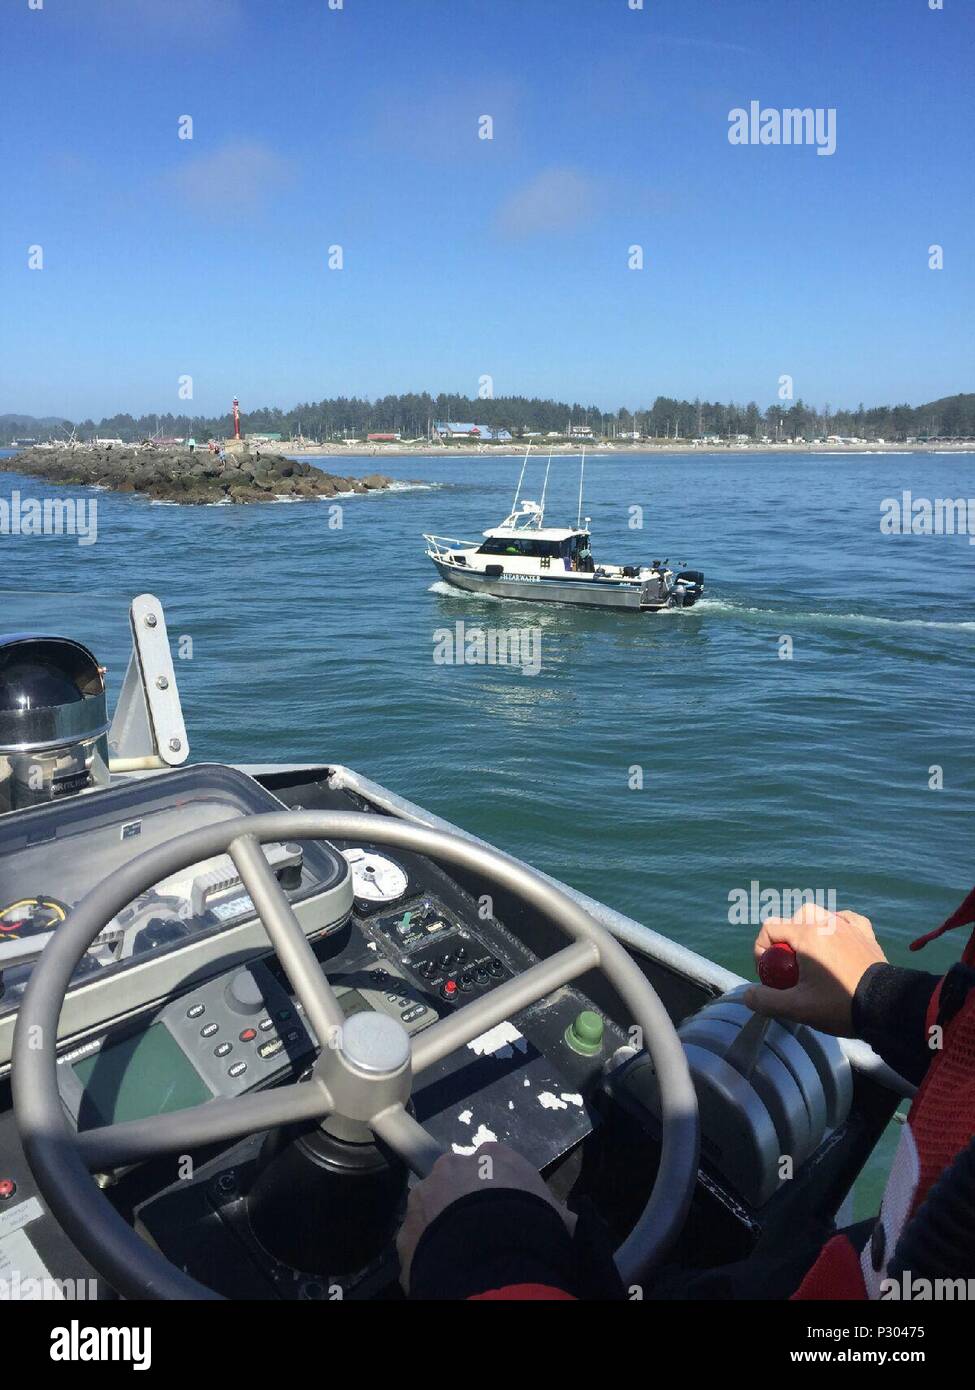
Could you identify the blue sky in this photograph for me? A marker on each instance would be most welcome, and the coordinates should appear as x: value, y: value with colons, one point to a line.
x: 466, y: 257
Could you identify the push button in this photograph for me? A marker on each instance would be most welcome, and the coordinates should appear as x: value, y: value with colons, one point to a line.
x: 248, y: 1034
x: 196, y: 1011
x: 237, y: 1069
x: 265, y: 1024
x: 448, y: 990
x: 208, y: 1030
x: 7, y: 1189
x: 269, y: 1048
x: 222, y: 1049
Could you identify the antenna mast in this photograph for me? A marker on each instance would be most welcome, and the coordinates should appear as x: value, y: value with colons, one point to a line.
x: 582, y: 469
x: 544, y: 487
x: 521, y: 478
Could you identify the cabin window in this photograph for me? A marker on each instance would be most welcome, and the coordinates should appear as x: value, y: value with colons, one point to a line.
x: 528, y: 546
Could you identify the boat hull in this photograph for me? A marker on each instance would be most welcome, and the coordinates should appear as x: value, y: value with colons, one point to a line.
x: 582, y: 591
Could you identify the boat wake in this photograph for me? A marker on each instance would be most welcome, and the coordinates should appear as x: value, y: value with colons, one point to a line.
x: 718, y: 607
x: 445, y: 590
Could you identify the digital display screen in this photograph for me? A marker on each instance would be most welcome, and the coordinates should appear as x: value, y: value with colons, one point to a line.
x: 352, y: 1002
x: 225, y: 912
x: 147, y: 1074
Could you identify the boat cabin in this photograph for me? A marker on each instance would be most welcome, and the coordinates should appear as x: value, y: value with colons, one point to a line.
x: 558, y: 548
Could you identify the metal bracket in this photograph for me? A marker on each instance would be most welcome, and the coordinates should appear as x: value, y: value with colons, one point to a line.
x: 147, y: 728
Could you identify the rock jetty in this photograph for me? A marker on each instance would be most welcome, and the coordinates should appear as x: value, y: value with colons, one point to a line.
x: 179, y: 475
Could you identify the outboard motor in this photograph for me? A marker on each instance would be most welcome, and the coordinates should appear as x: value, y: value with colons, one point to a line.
x: 53, y: 721
x: 688, y: 588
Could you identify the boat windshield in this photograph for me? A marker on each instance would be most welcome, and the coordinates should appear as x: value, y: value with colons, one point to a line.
x: 533, y: 546
x: 523, y: 545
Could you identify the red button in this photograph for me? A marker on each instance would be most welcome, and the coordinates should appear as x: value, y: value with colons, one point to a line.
x: 248, y: 1035
x: 7, y: 1189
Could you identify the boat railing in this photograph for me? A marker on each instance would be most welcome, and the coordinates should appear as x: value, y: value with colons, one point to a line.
x: 441, y: 545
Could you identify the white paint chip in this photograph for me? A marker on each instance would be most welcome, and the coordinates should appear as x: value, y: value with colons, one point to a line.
x: 499, y: 1041
x: 548, y: 1101
x: 482, y: 1135
x: 572, y: 1098
x: 466, y: 1116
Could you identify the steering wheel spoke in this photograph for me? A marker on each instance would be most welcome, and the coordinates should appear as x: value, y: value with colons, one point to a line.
x: 213, y: 1122
x: 462, y: 1027
x: 297, y: 958
x: 405, y: 1135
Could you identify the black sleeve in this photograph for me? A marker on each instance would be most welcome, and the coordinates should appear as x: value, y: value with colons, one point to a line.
x: 889, y: 1011
x: 502, y: 1237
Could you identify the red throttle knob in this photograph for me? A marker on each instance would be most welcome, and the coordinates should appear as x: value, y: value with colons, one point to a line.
x: 778, y: 966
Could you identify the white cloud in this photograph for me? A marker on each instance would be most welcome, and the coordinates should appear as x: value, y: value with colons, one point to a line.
x: 556, y: 200
x: 238, y: 175
x: 191, y: 19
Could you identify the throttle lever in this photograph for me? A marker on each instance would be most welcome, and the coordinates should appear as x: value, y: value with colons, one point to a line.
x: 778, y: 968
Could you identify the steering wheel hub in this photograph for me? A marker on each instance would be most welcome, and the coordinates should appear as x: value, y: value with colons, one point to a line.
x: 375, y: 1044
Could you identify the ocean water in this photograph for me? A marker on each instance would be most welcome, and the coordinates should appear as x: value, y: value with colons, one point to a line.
x: 316, y: 642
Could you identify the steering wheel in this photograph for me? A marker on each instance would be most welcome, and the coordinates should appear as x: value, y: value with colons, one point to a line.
x: 363, y: 1074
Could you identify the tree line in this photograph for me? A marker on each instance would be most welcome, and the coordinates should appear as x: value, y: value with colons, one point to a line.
x: 413, y: 415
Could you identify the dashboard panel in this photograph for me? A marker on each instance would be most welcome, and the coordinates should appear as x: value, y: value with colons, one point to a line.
x: 204, y: 1009
x: 185, y: 925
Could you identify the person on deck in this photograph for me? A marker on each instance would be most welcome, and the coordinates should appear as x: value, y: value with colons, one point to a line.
x: 492, y: 1230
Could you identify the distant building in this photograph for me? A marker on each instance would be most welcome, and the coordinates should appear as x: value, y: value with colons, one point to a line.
x: 451, y: 429
x: 381, y: 438
x: 270, y: 438
x: 581, y: 431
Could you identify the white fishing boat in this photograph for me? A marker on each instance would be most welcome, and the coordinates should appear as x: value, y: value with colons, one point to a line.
x: 525, y: 559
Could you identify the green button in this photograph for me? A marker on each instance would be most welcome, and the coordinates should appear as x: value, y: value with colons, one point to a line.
x: 585, y: 1033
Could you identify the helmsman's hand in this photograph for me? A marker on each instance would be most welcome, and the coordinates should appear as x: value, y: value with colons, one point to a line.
x: 833, y: 950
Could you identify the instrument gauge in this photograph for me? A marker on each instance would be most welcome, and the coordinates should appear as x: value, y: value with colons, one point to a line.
x: 376, y: 880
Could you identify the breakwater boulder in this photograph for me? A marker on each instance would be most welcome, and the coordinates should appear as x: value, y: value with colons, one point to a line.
x: 193, y: 477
